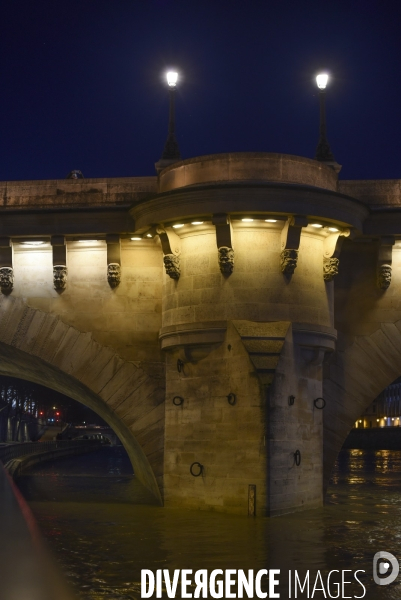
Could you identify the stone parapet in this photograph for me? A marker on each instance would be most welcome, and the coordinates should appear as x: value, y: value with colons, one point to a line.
x: 255, y: 167
x: 375, y: 193
x: 74, y: 193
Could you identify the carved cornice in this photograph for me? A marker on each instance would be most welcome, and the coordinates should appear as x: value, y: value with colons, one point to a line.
x: 314, y: 341
x: 245, y: 197
x: 383, y: 223
x: 195, y: 340
x: 69, y: 221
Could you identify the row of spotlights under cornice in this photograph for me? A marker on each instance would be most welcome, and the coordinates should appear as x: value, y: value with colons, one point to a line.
x: 174, y: 226
x: 330, y: 228
x: 179, y: 225
x: 251, y: 220
x: 34, y: 243
x: 38, y: 243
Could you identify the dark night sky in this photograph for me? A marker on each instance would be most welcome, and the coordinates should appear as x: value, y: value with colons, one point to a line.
x: 82, y: 82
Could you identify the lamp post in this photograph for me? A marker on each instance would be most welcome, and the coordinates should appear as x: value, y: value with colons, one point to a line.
x: 323, y: 150
x: 171, y: 152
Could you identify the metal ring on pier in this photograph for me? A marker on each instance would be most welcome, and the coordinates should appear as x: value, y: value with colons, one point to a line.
x: 319, y: 405
x: 196, y: 464
x: 291, y: 400
x: 297, y: 457
x: 232, y: 399
x: 177, y: 400
x: 180, y: 365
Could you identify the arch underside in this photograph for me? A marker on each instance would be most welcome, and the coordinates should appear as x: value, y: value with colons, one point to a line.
x: 39, y: 347
x: 360, y: 369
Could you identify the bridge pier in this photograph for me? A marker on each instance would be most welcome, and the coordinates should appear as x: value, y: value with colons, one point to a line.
x: 296, y: 406
x: 259, y: 329
x: 247, y: 426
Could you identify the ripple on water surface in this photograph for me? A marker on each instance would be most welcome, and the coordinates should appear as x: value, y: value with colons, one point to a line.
x: 93, y: 514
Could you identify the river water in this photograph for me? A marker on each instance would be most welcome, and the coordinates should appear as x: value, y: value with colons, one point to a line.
x: 91, y: 512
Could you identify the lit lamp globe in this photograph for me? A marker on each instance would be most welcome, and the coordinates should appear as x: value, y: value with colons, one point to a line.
x: 322, y: 80
x: 172, y: 77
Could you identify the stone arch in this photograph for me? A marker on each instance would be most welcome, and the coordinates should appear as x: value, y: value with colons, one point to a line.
x: 357, y: 372
x: 40, y: 347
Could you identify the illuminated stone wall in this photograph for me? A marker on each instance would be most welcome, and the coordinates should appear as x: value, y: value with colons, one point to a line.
x: 127, y: 318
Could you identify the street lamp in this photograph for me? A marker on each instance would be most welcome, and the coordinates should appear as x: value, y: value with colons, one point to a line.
x: 172, y: 78
x: 171, y: 152
x: 323, y: 150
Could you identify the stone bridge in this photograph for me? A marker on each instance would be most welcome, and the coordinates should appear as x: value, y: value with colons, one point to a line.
x: 91, y: 432
x: 208, y: 315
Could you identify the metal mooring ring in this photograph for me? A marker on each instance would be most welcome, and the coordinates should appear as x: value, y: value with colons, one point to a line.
x: 177, y: 400
x: 196, y: 464
x: 180, y: 365
x: 291, y: 400
x: 319, y: 405
x: 232, y: 399
x: 297, y: 457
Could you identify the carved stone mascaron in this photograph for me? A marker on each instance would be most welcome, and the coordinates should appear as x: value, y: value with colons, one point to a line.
x: 59, y: 277
x: 330, y: 268
x: 113, y: 274
x: 172, y: 265
x: 6, y: 279
x: 226, y: 260
x: 383, y: 276
x: 289, y: 261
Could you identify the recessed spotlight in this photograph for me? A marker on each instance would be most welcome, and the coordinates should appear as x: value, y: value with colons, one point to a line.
x: 271, y: 220
x: 178, y: 225
x: 197, y: 223
x: 149, y: 235
x: 247, y: 220
x: 317, y: 225
x: 33, y: 243
x: 136, y: 239
x: 333, y: 229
